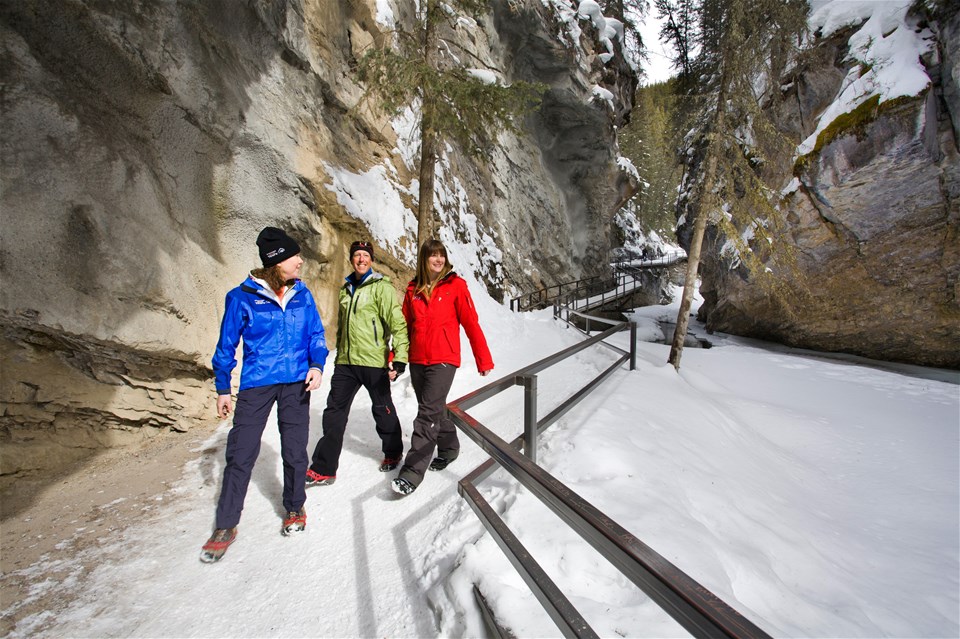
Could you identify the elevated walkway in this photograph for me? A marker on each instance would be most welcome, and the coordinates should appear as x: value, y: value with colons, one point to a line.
x: 591, y: 293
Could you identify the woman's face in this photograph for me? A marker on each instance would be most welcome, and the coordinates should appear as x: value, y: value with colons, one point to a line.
x: 290, y: 267
x: 435, y: 264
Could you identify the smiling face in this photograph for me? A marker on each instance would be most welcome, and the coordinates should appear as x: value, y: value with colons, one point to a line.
x: 361, y: 262
x: 435, y: 264
x: 290, y: 267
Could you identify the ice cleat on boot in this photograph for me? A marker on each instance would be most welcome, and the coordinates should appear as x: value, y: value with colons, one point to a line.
x: 217, y: 545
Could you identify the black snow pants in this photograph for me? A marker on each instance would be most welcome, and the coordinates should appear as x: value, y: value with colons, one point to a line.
x: 346, y: 381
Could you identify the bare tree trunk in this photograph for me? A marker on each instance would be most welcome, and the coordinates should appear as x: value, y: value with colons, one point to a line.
x: 428, y: 135
x: 700, y: 224
x: 428, y: 172
x: 690, y: 281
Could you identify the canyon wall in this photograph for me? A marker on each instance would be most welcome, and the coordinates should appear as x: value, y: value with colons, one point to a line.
x: 145, y: 144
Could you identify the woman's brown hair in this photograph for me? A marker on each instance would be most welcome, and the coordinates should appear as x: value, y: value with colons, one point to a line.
x: 271, y: 275
x: 422, y: 283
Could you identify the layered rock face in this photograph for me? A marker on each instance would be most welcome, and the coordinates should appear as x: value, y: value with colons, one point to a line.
x: 874, y: 225
x: 144, y: 145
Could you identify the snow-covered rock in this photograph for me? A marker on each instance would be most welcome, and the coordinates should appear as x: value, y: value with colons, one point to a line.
x: 871, y: 196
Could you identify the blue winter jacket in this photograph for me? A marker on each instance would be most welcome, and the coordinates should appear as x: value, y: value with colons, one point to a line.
x: 280, y: 344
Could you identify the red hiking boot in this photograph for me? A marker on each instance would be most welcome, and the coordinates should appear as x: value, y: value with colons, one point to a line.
x: 217, y: 545
x: 316, y: 479
x: 295, y: 522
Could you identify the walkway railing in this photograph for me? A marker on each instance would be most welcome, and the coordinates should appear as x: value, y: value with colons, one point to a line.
x: 697, y: 609
x: 588, y: 299
x: 561, y: 294
x: 545, y: 296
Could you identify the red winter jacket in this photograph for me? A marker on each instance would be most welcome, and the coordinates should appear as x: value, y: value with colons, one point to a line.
x: 434, y: 324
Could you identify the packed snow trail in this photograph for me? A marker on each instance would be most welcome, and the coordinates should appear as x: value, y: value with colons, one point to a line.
x: 360, y: 569
x: 816, y: 494
x: 353, y: 572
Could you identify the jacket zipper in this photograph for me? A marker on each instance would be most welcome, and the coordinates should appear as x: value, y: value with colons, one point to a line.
x: 283, y: 316
x: 351, y: 311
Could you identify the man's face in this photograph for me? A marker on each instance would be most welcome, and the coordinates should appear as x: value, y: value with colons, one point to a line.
x: 361, y: 262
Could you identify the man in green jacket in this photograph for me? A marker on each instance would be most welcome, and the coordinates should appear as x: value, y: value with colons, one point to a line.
x: 370, y: 319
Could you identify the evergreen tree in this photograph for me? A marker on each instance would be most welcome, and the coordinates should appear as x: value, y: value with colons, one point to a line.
x: 650, y: 141
x: 679, y: 30
x: 741, y: 46
x: 454, y: 103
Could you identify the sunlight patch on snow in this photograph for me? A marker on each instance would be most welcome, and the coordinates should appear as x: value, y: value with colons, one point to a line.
x: 462, y: 233
x: 375, y: 198
x: 407, y: 127
x: 385, y: 17
x: 484, y: 75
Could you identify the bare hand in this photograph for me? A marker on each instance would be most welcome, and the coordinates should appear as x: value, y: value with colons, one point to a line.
x: 224, y: 406
x: 392, y: 374
x: 314, y: 377
x: 485, y: 373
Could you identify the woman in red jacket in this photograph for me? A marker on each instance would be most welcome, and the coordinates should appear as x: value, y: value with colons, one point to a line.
x: 436, y: 305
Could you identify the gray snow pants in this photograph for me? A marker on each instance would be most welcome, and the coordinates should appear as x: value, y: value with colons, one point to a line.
x: 431, y: 429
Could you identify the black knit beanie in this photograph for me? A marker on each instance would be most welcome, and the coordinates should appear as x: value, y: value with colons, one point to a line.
x: 275, y: 246
x: 360, y: 245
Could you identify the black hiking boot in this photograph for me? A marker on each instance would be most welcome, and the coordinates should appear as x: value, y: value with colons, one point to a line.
x: 389, y: 463
x: 401, y: 486
x: 439, y: 463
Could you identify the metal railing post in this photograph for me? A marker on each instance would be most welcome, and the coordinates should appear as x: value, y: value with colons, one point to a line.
x: 633, y: 345
x: 530, y: 417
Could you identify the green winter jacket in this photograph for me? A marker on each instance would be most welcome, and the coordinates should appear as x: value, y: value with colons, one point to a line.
x: 369, y: 317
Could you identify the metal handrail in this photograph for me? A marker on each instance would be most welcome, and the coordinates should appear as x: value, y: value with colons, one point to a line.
x: 623, y: 285
x: 697, y: 609
x: 543, y: 297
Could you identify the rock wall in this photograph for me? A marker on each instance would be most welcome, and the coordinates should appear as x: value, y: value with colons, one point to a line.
x: 145, y: 144
x: 874, y: 225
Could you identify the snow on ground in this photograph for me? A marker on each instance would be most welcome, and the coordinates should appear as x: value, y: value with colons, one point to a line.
x: 815, y: 494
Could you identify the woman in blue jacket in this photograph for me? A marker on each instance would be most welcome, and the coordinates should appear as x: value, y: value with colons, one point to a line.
x: 284, y: 351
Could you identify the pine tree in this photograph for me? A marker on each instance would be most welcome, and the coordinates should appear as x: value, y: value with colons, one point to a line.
x: 741, y: 43
x: 454, y: 104
x: 679, y: 30
x: 650, y: 141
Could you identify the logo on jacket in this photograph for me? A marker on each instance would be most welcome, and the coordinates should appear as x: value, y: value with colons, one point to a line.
x: 259, y: 301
